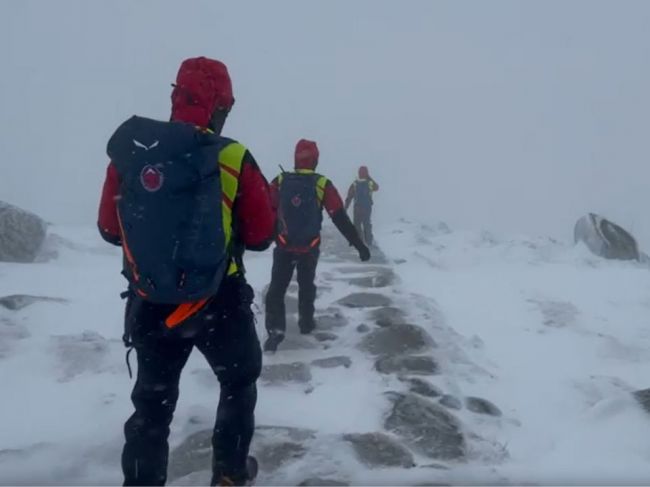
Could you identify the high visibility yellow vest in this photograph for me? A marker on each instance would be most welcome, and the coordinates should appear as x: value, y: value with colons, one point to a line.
x: 231, y: 159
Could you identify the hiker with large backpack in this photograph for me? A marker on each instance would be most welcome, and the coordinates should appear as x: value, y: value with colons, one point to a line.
x: 184, y: 203
x: 300, y: 197
x: 361, y: 192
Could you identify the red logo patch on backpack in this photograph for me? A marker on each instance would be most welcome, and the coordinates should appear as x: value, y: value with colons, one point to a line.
x: 151, y: 178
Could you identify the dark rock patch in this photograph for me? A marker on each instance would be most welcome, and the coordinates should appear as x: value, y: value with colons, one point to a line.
x: 426, y: 426
x: 388, y: 316
x: 331, y: 321
x: 364, y: 300
x: 422, y: 387
x: 296, y: 372
x: 194, y: 454
x: 482, y: 406
x: 317, y: 481
x: 363, y: 328
x: 643, y: 397
x: 451, y: 402
x: 377, y: 450
x: 407, y: 364
x: 324, y: 336
x: 16, y: 302
x: 397, y: 339
x: 332, y: 362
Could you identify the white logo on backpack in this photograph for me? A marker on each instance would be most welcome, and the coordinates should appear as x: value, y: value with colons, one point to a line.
x: 139, y: 144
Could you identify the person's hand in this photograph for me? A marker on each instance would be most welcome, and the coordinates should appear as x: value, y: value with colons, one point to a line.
x: 364, y: 252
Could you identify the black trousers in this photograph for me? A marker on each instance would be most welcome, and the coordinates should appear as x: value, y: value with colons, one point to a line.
x: 284, y: 263
x: 362, y: 223
x: 225, y: 334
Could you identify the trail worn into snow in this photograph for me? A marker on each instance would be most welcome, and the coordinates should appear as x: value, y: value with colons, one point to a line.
x: 367, y: 334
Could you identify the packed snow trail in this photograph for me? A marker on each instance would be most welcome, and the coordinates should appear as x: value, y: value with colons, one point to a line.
x: 353, y: 403
x: 455, y: 358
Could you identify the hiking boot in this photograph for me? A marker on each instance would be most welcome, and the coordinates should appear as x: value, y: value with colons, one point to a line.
x: 306, y: 326
x: 248, y: 477
x: 272, y: 342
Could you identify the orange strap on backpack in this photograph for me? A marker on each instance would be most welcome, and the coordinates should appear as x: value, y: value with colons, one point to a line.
x: 183, y: 312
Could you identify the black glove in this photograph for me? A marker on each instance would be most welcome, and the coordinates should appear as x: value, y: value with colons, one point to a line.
x: 364, y: 252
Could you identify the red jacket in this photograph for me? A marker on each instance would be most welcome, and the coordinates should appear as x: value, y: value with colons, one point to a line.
x: 252, y: 210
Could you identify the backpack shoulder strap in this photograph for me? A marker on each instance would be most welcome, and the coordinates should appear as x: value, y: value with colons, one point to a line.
x: 321, y: 183
x: 231, y: 158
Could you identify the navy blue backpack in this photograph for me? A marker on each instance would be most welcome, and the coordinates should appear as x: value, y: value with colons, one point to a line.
x: 170, y: 209
x: 300, y: 212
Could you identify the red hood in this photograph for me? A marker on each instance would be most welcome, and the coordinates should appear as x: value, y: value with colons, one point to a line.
x: 202, y: 86
x: 306, y: 155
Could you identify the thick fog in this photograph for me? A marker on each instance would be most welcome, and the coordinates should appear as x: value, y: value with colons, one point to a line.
x: 506, y: 115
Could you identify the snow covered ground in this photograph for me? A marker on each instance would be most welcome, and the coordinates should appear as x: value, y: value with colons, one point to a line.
x: 553, y: 336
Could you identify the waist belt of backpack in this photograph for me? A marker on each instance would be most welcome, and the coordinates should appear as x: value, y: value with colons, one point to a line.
x: 282, y: 240
x: 187, y: 310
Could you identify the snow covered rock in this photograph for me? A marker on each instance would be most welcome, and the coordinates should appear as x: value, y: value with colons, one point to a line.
x: 379, y: 450
x: 451, y: 402
x: 332, y: 320
x: 605, y: 238
x: 364, y: 300
x: 9, y: 333
x: 422, y: 387
x: 381, y: 277
x: 194, y: 454
x: 388, y: 316
x: 317, y: 481
x: 426, y: 427
x: 276, y: 374
x: 85, y: 352
x: 21, y: 234
x: 397, y: 339
x: 407, y: 364
x: 482, y: 406
x: 325, y: 336
x: 15, y: 302
x: 643, y: 397
x: 273, y: 446
x: 332, y: 362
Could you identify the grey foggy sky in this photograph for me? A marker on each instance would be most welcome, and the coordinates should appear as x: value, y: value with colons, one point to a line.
x: 514, y: 116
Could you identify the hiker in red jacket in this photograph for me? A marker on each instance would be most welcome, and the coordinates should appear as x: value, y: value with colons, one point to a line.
x: 221, y: 325
x: 300, y: 197
x: 361, y: 193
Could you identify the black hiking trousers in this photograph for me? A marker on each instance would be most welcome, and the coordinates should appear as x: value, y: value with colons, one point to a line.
x: 225, y: 334
x: 361, y: 216
x: 284, y: 263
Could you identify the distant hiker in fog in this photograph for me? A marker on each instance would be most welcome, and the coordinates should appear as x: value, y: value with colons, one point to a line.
x: 361, y: 192
x: 184, y: 203
x: 300, y: 197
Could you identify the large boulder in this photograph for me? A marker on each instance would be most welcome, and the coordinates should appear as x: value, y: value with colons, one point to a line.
x: 605, y: 239
x: 21, y: 234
